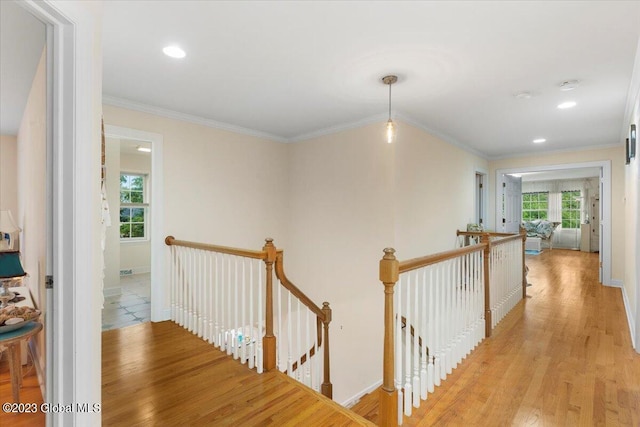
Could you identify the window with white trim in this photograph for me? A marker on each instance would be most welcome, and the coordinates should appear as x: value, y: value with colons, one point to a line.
x: 133, y: 207
x: 535, y: 205
x: 571, y: 209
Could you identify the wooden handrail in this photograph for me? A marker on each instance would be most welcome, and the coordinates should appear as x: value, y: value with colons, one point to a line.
x: 322, y: 315
x: 170, y: 240
x: 510, y: 238
x: 293, y: 288
x: 479, y: 233
x: 416, y: 263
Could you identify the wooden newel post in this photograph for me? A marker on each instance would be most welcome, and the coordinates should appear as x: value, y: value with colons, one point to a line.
x: 523, y: 234
x: 484, y: 238
x: 269, y: 340
x: 389, y: 273
x: 327, y: 387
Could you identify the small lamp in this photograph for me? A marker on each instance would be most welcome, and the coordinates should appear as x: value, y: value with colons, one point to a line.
x: 10, y: 270
x: 7, y: 227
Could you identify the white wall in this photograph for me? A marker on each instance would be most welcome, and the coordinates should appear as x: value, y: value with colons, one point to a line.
x: 351, y: 195
x: 31, y: 210
x: 9, y: 173
x: 230, y: 185
x: 340, y: 218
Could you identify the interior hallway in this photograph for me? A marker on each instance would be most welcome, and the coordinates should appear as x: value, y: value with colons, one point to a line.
x: 563, y: 357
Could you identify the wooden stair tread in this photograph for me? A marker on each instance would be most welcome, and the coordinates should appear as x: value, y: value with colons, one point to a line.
x: 161, y: 374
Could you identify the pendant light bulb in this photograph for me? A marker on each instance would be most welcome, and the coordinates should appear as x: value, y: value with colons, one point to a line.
x: 391, y: 131
x: 390, y: 127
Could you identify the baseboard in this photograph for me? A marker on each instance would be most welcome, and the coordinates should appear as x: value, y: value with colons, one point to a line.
x: 35, y: 358
x: 615, y: 283
x: 630, y: 319
x: 130, y: 271
x: 112, y: 292
x: 356, y: 398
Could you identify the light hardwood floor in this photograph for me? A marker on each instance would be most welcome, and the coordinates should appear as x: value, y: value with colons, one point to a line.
x: 159, y: 374
x: 29, y: 393
x: 562, y: 357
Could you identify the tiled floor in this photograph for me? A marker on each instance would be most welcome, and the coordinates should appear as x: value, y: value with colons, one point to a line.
x: 132, y: 307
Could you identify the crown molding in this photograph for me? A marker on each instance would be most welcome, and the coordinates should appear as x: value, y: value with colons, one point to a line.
x: 446, y: 138
x: 551, y: 152
x: 339, y: 128
x: 171, y: 114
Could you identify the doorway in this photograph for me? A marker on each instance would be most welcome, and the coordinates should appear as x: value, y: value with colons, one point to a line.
x: 605, y: 227
x: 126, y: 144
x: 127, y: 252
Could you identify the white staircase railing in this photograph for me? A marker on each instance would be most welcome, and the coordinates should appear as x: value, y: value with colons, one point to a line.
x: 226, y: 297
x: 437, y: 309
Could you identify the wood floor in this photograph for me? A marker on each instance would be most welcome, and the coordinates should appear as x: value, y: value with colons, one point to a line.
x: 562, y: 357
x: 158, y: 374
x: 29, y: 393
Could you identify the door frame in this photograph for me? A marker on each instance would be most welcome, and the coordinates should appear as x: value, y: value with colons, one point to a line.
x: 159, y: 311
x: 74, y: 76
x: 605, y: 205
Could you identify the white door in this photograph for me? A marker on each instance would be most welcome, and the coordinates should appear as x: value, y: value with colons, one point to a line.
x: 511, y: 203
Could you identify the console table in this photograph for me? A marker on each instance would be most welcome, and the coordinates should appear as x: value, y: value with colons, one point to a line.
x: 11, y: 340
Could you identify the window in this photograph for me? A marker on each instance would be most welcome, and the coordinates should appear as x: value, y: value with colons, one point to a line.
x: 133, y: 209
x: 535, y: 206
x: 571, y: 201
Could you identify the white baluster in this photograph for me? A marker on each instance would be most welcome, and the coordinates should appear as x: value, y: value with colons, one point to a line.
x: 416, y: 343
x: 252, y: 336
x: 299, y: 339
x: 431, y: 343
x: 280, y: 337
x: 307, y: 344
x: 407, y: 349
x: 289, y: 337
x: 424, y: 334
x: 259, y: 356
x: 438, y: 303
x: 172, y: 281
x: 398, y: 357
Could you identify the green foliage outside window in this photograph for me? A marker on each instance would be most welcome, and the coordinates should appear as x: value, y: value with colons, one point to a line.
x: 571, y: 206
x: 535, y: 206
x: 132, y: 217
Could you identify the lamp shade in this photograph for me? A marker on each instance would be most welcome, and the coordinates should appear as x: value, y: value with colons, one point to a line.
x: 10, y: 265
x: 7, y: 224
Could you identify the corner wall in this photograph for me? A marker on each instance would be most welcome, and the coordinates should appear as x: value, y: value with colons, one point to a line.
x: 351, y: 195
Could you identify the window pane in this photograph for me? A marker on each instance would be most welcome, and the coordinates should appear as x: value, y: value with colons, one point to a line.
x: 125, y: 197
x: 137, y: 215
x: 136, y: 183
x: 125, y: 230
x: 137, y: 230
x: 136, y: 197
x: 125, y: 214
x: 123, y: 182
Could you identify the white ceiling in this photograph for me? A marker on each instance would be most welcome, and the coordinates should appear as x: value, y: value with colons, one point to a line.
x: 560, y: 174
x: 291, y: 70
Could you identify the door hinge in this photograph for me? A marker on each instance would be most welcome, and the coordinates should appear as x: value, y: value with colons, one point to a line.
x: 504, y: 185
x: 480, y: 185
x: 504, y: 221
x: 48, y: 282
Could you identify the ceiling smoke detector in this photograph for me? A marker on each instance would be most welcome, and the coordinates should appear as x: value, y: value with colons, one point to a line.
x: 569, y: 85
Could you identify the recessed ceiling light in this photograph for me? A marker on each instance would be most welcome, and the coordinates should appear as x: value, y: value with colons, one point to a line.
x: 144, y: 149
x: 539, y: 140
x: 569, y: 85
x: 174, y: 51
x: 568, y: 104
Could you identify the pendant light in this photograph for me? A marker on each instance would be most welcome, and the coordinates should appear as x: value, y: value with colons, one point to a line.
x: 391, y: 127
